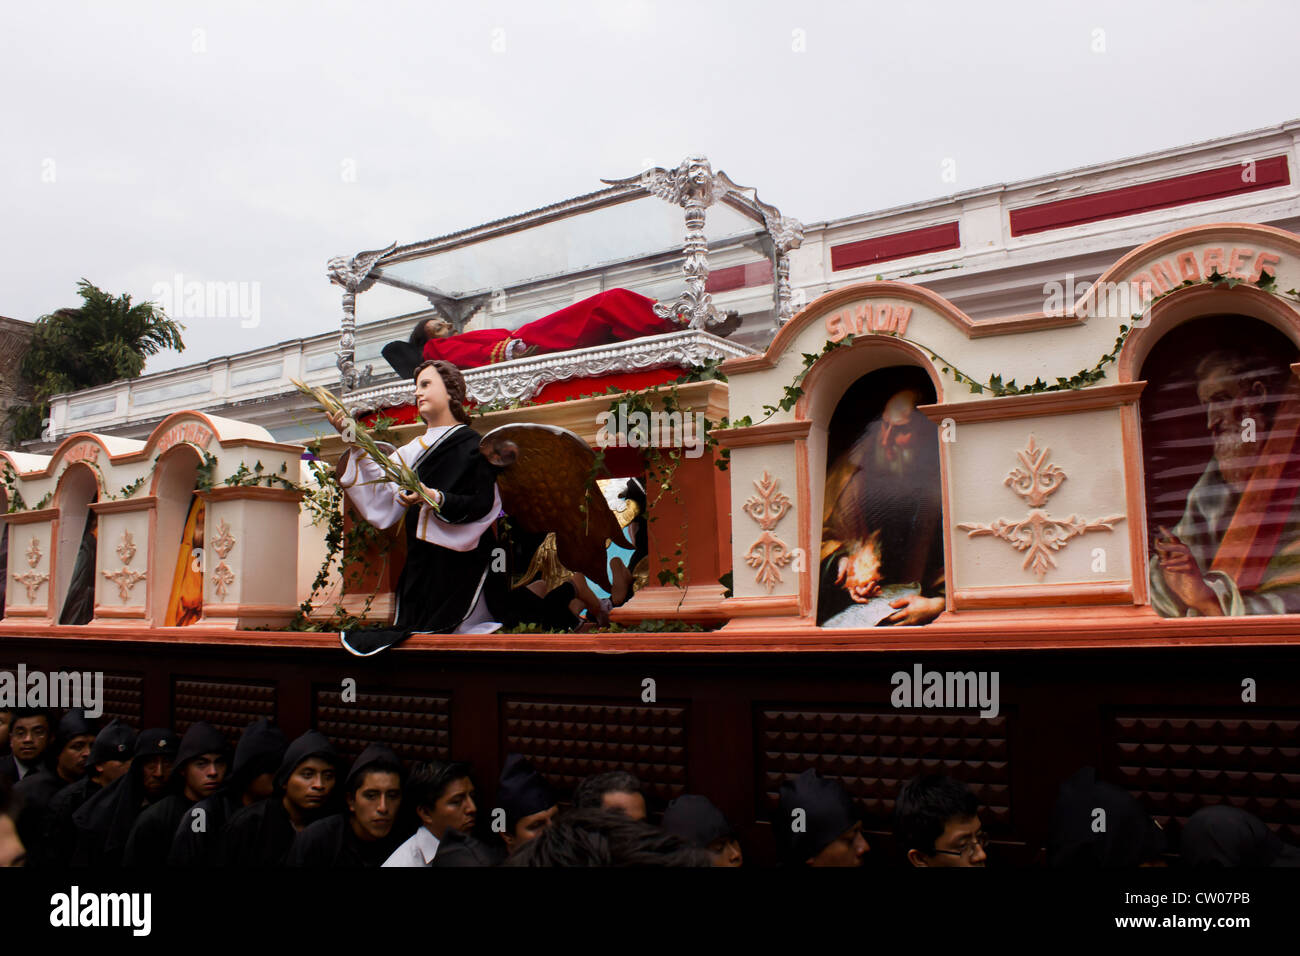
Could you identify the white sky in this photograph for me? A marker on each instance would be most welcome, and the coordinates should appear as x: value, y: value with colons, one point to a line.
x: 219, y: 155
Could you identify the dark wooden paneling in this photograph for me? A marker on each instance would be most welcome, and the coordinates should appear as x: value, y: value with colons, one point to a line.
x: 229, y: 706
x: 1176, y: 762
x: 570, y: 739
x: 874, y: 753
x: 416, y: 726
x: 124, y: 698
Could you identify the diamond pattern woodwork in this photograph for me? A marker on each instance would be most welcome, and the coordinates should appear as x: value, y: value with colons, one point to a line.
x: 873, y: 754
x: 416, y: 726
x: 569, y: 740
x: 1179, y: 762
x: 229, y: 706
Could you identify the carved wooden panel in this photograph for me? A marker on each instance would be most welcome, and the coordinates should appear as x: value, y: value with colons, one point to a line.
x: 1176, y: 763
x: 416, y: 726
x: 229, y: 706
x: 873, y: 754
x: 124, y: 698
x: 568, y: 740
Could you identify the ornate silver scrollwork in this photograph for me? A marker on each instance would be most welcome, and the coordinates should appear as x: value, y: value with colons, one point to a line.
x: 695, y: 187
x: 353, y: 275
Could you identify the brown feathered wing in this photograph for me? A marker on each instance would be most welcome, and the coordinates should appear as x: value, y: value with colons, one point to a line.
x: 543, y: 487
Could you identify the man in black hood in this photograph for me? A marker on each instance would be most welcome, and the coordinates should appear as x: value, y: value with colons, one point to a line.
x: 110, y: 757
x: 364, y: 835
x: 197, y: 840
x: 198, y: 773
x: 527, y: 801
x: 1097, y: 825
x: 261, y: 835
x: 694, y: 820
x: 65, y: 763
x: 104, y: 821
x: 1230, y: 837
x: 29, y: 736
x: 816, y: 823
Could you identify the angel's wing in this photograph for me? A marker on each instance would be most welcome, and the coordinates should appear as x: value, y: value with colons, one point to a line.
x: 543, y: 488
x: 656, y: 180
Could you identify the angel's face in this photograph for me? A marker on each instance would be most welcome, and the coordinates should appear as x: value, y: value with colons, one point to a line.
x: 431, y: 398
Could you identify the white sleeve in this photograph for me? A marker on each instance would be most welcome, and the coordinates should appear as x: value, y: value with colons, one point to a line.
x: 376, y: 502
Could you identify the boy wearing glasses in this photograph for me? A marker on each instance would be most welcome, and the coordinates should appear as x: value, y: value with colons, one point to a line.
x: 936, y: 823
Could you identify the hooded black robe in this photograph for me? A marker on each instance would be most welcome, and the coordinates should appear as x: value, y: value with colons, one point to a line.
x: 330, y: 843
x: 262, y: 834
x: 104, y: 821
x: 260, y: 750
x: 37, y: 790
x: 154, y: 830
x: 439, y: 587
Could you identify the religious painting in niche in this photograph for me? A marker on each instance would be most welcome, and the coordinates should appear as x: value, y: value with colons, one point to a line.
x: 1221, y: 446
x: 881, y: 559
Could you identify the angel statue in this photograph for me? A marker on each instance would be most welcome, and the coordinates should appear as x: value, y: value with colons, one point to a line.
x: 455, y: 579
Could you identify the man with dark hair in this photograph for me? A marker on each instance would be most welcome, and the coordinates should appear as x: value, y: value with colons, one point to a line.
x: 363, y: 836
x: 110, y: 757
x: 28, y: 738
x: 816, y: 823
x: 198, y: 773
x: 613, y: 790
x: 65, y: 763
x: 606, y: 838
x: 104, y: 821
x: 936, y: 823
x: 694, y: 820
x: 197, y: 841
x: 442, y: 794
x: 526, y: 800
x: 262, y: 834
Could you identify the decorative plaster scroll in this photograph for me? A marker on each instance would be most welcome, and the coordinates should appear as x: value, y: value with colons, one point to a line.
x: 32, y: 580
x: 1038, y: 534
x: 1037, y: 481
x: 769, y: 553
x: 222, y: 578
x: 223, y: 541
x: 124, y: 577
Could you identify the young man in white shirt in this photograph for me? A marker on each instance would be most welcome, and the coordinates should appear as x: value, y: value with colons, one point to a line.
x: 443, y: 795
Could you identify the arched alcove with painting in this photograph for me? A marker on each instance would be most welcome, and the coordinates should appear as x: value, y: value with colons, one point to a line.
x: 76, y: 547
x: 881, y: 555
x: 1221, y: 453
x: 177, y: 559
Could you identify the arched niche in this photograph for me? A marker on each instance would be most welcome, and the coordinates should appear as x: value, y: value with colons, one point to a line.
x: 173, y: 490
x: 882, y: 523
x: 78, y: 487
x: 824, y: 387
x: 1196, y: 302
x: 1220, y: 444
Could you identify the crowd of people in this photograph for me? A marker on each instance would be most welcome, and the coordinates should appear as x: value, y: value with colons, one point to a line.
x: 72, y: 795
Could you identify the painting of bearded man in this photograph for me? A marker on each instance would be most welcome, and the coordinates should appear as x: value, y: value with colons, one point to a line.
x: 1235, y: 550
x: 881, y: 557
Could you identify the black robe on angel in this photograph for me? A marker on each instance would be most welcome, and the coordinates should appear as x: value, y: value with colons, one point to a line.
x: 450, y: 582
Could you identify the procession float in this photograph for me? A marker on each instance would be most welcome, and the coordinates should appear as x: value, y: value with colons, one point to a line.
x: 720, y: 513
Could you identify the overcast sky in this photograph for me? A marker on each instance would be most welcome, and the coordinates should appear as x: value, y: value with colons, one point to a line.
x: 250, y: 142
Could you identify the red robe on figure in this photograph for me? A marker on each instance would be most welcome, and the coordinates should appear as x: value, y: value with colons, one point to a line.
x: 613, y: 316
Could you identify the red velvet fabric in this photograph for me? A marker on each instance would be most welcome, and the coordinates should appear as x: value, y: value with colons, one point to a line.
x: 613, y: 316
